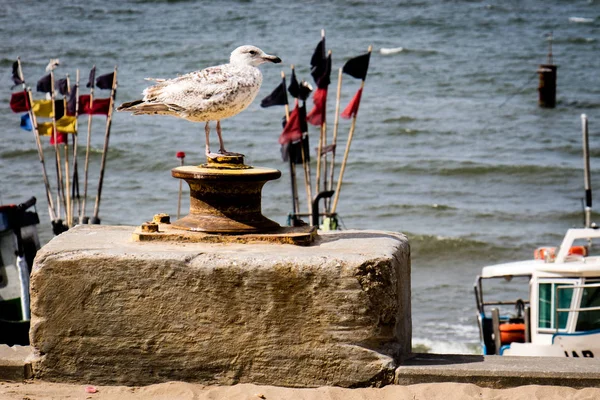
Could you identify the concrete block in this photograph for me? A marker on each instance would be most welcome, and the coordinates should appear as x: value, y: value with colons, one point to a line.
x: 15, y: 363
x: 499, y: 372
x: 107, y: 310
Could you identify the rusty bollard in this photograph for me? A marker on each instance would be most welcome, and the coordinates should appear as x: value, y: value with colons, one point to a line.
x: 225, y: 197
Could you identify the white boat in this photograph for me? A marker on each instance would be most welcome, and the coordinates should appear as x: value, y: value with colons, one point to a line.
x: 561, y: 316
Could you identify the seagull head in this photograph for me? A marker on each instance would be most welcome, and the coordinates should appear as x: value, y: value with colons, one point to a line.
x: 251, y: 55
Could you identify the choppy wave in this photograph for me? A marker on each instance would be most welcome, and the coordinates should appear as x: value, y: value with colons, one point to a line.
x: 403, y: 118
x: 581, y: 20
x: 470, y: 168
x: 391, y: 50
x: 436, y: 244
x: 423, y: 345
x: 390, y: 210
x: 580, y: 40
x: 18, y: 153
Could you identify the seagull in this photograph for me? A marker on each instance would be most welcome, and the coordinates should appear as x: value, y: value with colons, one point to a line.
x: 212, y: 94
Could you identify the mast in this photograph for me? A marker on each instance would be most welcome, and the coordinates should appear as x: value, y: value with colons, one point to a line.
x: 586, y: 172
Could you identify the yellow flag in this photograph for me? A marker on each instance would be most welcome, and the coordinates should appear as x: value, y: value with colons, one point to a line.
x: 64, y: 125
x: 42, y: 108
x: 45, y: 128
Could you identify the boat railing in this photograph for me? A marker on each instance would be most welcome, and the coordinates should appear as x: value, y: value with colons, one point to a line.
x: 571, y: 236
x: 478, y: 288
x: 574, y: 309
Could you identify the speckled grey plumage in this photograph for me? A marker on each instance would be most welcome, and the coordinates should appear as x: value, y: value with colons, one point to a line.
x: 212, y: 94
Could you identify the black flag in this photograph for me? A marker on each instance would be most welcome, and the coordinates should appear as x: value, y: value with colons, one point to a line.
x: 318, y: 61
x: 357, y: 67
x: 278, y: 97
x: 59, y: 108
x: 61, y: 84
x: 44, y: 85
x: 71, y: 104
x: 105, y: 81
x: 324, y: 80
x: 294, y: 87
x: 16, y: 78
x: 92, y: 77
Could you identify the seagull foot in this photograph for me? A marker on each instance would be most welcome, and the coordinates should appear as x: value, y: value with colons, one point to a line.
x: 229, y: 153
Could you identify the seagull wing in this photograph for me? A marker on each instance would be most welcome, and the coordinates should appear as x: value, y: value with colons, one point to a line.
x: 195, y: 91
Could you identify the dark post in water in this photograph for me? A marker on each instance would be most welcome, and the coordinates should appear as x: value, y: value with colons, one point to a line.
x: 547, y: 86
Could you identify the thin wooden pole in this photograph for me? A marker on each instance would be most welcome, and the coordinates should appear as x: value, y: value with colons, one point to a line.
x: 181, y: 156
x: 68, y: 209
x: 347, y: 151
x: 318, y: 173
x: 293, y: 181
x: 38, y: 143
x: 320, y: 145
x: 51, y: 209
x: 322, y: 163
x: 307, y: 174
x: 95, y: 219
x: 82, y: 217
x: 335, y: 128
x: 343, y: 167
x: 305, y: 164
x: 59, y: 176
x: 75, y: 189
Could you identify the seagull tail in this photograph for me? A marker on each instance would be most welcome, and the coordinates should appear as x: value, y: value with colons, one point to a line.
x: 129, y: 106
x: 140, y: 107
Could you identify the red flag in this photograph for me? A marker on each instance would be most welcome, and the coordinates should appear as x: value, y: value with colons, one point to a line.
x: 60, y: 138
x: 316, y: 116
x: 100, y: 106
x: 352, y: 108
x: 292, y: 130
x: 19, y: 102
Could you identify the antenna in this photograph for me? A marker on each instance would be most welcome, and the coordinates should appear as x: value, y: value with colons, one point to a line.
x: 550, y: 48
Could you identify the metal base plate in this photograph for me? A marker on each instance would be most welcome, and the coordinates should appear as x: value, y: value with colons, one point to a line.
x: 301, y: 236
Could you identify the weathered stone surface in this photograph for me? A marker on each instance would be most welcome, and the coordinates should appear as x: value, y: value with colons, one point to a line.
x: 107, y: 310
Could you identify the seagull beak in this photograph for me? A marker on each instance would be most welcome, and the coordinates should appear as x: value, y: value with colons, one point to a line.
x: 273, y: 59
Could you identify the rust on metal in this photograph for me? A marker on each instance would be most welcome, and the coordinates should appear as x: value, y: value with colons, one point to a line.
x: 226, y: 162
x: 225, y: 207
x: 300, y: 236
x: 149, y: 227
x: 225, y: 196
x: 161, y: 218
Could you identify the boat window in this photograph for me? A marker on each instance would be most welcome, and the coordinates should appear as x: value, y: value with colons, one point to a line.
x: 548, y: 304
x: 589, y: 320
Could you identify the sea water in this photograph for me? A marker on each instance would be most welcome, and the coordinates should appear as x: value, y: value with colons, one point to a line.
x: 450, y: 146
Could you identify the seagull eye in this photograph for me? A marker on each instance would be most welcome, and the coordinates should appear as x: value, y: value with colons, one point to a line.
x: 252, y: 52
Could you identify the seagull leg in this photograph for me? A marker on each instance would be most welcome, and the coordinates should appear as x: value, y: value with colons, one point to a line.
x: 221, y: 146
x: 207, y: 132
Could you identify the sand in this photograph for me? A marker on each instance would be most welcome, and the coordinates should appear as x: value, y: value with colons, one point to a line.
x: 37, y: 390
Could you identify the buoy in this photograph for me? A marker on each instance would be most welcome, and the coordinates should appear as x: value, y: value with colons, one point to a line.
x: 510, y: 333
x: 543, y: 253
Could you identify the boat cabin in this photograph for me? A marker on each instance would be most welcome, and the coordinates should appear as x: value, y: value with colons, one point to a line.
x: 559, y: 311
